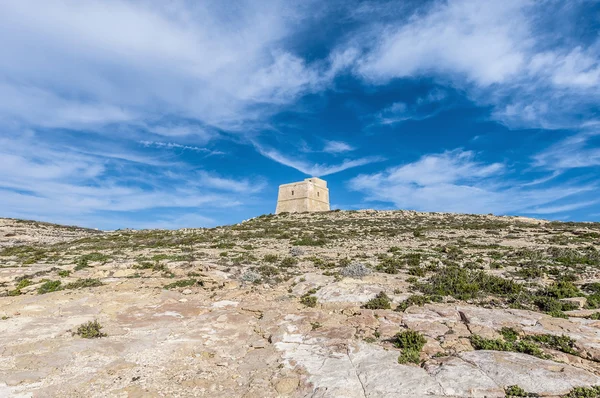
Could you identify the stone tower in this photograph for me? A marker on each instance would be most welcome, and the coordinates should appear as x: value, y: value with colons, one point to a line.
x: 308, y: 195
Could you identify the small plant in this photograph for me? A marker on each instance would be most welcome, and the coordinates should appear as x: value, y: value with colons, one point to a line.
x: 288, y: 262
x: 22, y: 284
x: 309, y: 300
x: 63, y: 273
x: 523, y: 346
x: 355, y: 270
x: 49, y: 287
x: 315, y: 325
x: 411, y: 343
x: 270, y: 258
x: 561, y: 343
x: 584, y: 392
x: 251, y: 277
x: 181, y: 283
x: 81, y: 283
x: 380, y: 302
x: 509, y: 334
x: 516, y: 391
x: 417, y: 299
x: 90, y: 330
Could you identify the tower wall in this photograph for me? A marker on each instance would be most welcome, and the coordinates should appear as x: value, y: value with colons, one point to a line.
x: 308, y: 195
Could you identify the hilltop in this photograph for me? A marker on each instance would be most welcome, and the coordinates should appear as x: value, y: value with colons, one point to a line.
x: 334, y: 304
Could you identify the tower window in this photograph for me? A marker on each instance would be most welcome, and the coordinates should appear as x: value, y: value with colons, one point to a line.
x: 317, y: 194
x: 292, y: 193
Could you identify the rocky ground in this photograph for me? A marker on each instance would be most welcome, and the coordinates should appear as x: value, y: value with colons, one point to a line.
x: 336, y: 304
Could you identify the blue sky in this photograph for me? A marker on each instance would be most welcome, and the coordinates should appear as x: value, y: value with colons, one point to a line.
x: 143, y: 114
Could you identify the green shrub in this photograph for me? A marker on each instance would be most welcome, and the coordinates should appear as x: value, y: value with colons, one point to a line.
x: 466, y: 284
x: 90, y: 330
x: 288, y: 262
x: 561, y: 343
x: 523, y: 346
x: 63, y: 273
x: 81, y: 283
x: 83, y: 261
x: 560, y: 290
x: 516, y: 391
x: 411, y: 343
x: 270, y: 258
x: 584, y: 392
x: 509, y: 334
x: 22, y: 284
x: 181, y: 283
x: 409, y: 356
x: 380, y: 302
x: 49, y: 286
x: 389, y: 265
x: 417, y: 299
x: 417, y: 271
x: 309, y: 300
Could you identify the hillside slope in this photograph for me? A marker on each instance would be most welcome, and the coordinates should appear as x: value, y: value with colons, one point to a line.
x: 336, y: 304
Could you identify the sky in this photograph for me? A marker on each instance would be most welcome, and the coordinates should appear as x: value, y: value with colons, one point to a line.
x: 170, y: 114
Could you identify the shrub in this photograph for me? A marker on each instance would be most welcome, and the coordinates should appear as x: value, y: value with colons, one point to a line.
x: 417, y: 299
x: 411, y: 343
x: 81, y: 283
x: 584, y: 392
x: 181, y: 283
x: 309, y: 300
x: 561, y: 343
x: 22, y: 284
x: 355, y: 270
x: 270, y: 258
x: 288, y: 262
x: 560, y: 290
x: 523, y: 346
x: 49, y: 286
x: 296, y: 251
x: 90, y: 330
x: 516, y: 391
x: 63, y: 273
x: 251, y: 276
x: 389, y: 265
x: 380, y: 302
x: 465, y: 284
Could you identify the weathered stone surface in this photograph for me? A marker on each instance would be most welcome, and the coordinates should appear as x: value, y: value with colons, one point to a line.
x: 223, y: 336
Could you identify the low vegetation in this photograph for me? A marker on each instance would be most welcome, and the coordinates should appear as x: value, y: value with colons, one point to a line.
x: 90, y: 330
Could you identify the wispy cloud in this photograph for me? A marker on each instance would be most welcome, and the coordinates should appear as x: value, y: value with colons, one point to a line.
x: 337, y: 147
x: 575, y: 151
x: 61, y: 184
x: 173, y: 145
x: 500, y: 53
x: 312, y: 169
x: 423, y: 108
x: 455, y: 181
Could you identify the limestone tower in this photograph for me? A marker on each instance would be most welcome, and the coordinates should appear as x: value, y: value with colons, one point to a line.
x: 308, y: 195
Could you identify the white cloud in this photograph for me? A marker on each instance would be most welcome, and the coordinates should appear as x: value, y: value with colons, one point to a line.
x: 244, y: 185
x: 562, y: 208
x: 54, y: 182
x: 173, y: 145
x: 423, y: 108
x: 499, y: 52
x: 337, y: 147
x: 479, y: 40
x: 571, y: 152
x: 454, y: 181
x: 121, y: 60
x: 312, y: 169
